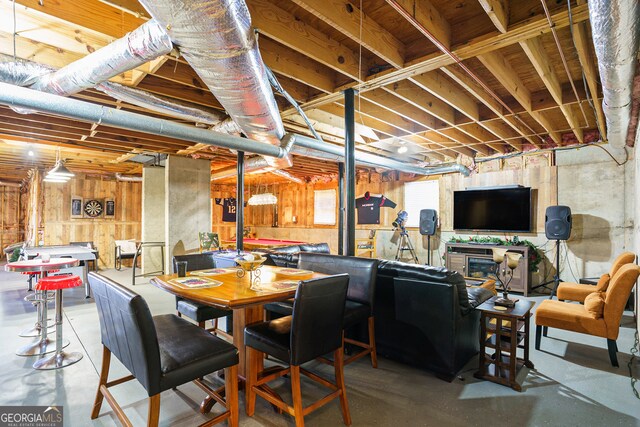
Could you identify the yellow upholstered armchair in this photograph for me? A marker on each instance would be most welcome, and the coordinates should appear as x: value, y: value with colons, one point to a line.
x: 578, y: 292
x: 599, y: 316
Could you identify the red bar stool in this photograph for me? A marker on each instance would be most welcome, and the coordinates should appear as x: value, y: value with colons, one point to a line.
x: 60, y: 359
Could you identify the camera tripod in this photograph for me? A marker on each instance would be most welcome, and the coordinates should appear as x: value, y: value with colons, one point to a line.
x: 404, y: 244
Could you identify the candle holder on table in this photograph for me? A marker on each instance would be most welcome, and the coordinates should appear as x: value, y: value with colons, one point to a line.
x: 513, y: 259
x: 251, y: 266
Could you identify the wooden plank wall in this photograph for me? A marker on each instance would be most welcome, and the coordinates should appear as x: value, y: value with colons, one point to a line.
x: 60, y: 228
x: 11, y: 219
x: 297, y: 199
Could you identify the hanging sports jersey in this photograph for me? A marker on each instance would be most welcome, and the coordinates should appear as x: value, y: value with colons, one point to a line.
x: 369, y: 208
x: 228, y: 209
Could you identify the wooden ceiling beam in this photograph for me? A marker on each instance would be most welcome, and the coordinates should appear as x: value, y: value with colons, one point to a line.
x: 498, y: 12
x: 414, y: 95
x: 287, y: 62
x: 509, y: 79
x: 486, y: 135
x: 36, y: 26
x: 345, y: 17
x: 476, y: 90
x: 544, y: 67
x: 435, y: 83
x: 489, y: 42
x: 88, y: 14
x: 394, y: 104
x: 466, y: 140
x: 280, y: 25
x: 589, y: 68
x: 429, y: 17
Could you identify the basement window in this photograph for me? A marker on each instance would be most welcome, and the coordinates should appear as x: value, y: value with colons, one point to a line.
x: 324, y: 207
x: 420, y: 195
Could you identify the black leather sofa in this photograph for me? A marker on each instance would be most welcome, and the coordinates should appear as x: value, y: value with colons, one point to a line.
x: 425, y: 317
x: 287, y: 256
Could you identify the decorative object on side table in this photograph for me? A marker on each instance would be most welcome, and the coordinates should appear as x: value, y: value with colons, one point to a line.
x: 507, y: 275
x: 251, y: 263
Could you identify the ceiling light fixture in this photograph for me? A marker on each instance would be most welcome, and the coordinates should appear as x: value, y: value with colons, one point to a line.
x: 31, y: 153
x: 402, y: 150
x: 59, y: 173
x: 262, y: 199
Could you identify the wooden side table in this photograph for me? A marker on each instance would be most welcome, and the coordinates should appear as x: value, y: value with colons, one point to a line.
x: 510, y: 332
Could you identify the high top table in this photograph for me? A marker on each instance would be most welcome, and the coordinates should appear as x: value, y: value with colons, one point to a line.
x: 43, y: 344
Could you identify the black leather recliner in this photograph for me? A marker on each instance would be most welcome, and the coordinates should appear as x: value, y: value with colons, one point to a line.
x: 425, y: 317
x: 314, y: 329
x: 161, y: 352
x: 195, y: 310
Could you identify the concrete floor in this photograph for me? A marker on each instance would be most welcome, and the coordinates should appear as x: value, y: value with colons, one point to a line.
x: 573, y: 383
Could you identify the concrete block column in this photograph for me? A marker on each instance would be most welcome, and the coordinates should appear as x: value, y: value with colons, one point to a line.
x: 187, y: 204
x: 153, y: 215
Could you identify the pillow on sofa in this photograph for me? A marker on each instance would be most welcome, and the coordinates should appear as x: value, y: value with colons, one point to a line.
x: 594, y: 304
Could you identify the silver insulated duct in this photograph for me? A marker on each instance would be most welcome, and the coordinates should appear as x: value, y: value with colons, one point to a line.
x: 143, y: 44
x: 615, y: 26
x: 217, y: 40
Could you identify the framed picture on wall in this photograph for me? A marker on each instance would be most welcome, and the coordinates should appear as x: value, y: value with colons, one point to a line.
x: 109, y: 208
x: 76, y: 207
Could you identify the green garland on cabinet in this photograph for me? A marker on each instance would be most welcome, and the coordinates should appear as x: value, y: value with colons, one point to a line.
x: 534, y: 256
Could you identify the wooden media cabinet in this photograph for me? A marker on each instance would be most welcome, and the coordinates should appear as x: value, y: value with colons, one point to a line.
x: 476, y: 260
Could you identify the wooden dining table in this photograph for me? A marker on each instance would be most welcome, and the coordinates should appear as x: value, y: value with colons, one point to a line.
x: 235, y: 293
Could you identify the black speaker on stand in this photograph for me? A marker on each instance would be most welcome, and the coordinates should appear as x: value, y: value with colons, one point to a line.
x: 557, y: 226
x: 428, y: 225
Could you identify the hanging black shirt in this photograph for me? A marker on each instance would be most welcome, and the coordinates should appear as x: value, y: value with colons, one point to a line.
x: 369, y: 208
x: 228, y: 209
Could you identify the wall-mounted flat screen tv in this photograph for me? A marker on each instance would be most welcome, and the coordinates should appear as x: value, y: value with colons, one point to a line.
x: 493, y: 209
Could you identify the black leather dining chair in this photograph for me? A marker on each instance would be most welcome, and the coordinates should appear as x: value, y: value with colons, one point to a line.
x: 359, y: 306
x: 161, y: 352
x: 313, y: 329
x: 194, y: 310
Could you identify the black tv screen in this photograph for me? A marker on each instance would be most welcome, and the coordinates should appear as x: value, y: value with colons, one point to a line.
x: 497, y: 209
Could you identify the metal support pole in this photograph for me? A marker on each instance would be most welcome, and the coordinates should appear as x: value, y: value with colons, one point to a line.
x: 341, y: 208
x: 350, y: 169
x: 240, y: 203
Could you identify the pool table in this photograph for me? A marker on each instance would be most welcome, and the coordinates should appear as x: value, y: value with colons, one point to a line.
x: 262, y: 243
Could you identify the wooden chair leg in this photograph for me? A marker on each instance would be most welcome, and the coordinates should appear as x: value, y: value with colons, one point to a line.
x: 104, y: 374
x: 231, y: 394
x: 179, y: 314
x: 203, y: 325
x: 372, y: 342
x: 613, y: 352
x: 339, y: 369
x: 296, y: 393
x: 154, y: 410
x: 251, y: 379
x: 538, y: 336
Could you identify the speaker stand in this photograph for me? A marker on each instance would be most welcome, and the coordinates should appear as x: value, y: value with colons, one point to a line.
x: 556, y: 277
x: 428, y: 249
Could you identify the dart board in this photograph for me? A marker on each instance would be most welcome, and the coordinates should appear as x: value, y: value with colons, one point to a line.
x: 93, y: 208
